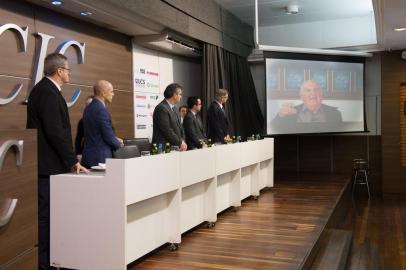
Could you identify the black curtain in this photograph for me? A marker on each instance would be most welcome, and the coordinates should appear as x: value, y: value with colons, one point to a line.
x: 222, y: 69
x: 212, y: 75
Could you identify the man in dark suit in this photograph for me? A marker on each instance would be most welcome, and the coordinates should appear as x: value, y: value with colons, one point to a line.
x: 48, y: 113
x: 193, y: 125
x: 167, y: 126
x: 217, y: 120
x: 80, y: 133
x: 183, y: 110
x: 100, y: 140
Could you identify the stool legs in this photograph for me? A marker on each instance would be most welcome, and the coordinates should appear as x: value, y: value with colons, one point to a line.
x: 354, y: 183
x: 356, y: 179
x: 367, y: 183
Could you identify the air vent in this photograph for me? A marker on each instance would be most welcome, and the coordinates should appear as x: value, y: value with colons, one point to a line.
x: 170, y: 43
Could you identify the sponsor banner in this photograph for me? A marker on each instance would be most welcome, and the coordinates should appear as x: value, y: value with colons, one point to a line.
x: 146, y: 70
x: 144, y: 105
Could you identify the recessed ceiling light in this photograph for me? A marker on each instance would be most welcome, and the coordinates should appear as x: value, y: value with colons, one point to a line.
x: 56, y: 3
x: 292, y: 9
x: 399, y: 29
x: 85, y: 13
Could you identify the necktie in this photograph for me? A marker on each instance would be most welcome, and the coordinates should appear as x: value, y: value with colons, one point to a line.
x: 176, y: 114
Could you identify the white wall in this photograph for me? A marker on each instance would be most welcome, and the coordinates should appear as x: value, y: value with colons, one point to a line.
x: 321, y: 34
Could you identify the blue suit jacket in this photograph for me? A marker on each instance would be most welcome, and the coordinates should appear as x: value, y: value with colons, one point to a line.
x: 99, y: 140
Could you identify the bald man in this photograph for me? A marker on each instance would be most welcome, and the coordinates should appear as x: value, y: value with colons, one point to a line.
x: 100, y: 140
x: 312, y: 110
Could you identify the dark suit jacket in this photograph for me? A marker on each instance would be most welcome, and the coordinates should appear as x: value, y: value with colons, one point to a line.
x: 167, y: 126
x: 217, y: 122
x: 47, y: 112
x: 80, y: 133
x: 193, y: 130
x: 100, y: 140
x: 332, y: 115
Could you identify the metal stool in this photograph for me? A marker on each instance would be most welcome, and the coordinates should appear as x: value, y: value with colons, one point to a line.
x: 360, y: 169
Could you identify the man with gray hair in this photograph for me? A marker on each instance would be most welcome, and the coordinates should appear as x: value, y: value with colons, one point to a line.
x: 48, y: 113
x: 217, y: 120
x: 312, y: 110
x: 100, y: 140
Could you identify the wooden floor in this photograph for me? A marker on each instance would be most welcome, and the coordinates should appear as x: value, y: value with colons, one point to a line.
x: 379, y: 233
x: 275, y: 232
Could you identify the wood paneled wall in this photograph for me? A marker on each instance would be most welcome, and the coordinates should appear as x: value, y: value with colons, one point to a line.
x: 19, y: 236
x: 402, y: 116
x: 393, y: 74
x: 107, y: 56
x: 326, y: 154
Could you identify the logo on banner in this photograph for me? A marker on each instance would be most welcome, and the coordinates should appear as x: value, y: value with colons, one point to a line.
x: 141, y: 70
x: 141, y: 106
x: 139, y: 82
x: 154, y: 97
x: 152, y: 85
x: 152, y: 73
x: 141, y: 115
x: 140, y: 97
x: 141, y: 126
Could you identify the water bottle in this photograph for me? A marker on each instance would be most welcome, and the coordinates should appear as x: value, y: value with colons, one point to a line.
x: 160, y: 148
x: 209, y: 144
x: 167, y: 147
x: 154, y: 149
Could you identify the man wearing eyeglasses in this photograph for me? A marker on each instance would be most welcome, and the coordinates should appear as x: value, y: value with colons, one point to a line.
x: 166, y: 121
x: 48, y: 113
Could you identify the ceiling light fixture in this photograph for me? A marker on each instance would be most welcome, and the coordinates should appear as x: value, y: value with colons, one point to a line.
x: 399, y: 29
x: 85, y: 13
x: 56, y: 3
x: 292, y: 9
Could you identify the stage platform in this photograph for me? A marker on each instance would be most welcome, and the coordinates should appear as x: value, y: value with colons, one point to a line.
x: 280, y: 230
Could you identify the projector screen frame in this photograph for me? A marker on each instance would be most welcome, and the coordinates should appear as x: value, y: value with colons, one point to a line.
x: 314, y: 57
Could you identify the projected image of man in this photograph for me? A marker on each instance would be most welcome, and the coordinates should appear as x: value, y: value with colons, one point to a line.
x: 311, y: 110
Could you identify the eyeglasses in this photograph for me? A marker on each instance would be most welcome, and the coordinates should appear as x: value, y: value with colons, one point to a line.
x: 68, y: 69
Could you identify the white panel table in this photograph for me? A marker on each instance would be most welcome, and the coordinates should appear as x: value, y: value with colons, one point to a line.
x: 198, y: 186
x: 107, y: 220
x: 250, y: 156
x: 266, y: 173
x: 228, y: 165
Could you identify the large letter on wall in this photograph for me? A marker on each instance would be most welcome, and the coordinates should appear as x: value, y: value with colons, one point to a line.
x: 80, y: 49
x: 7, y: 205
x: 39, y: 60
x: 22, y: 34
